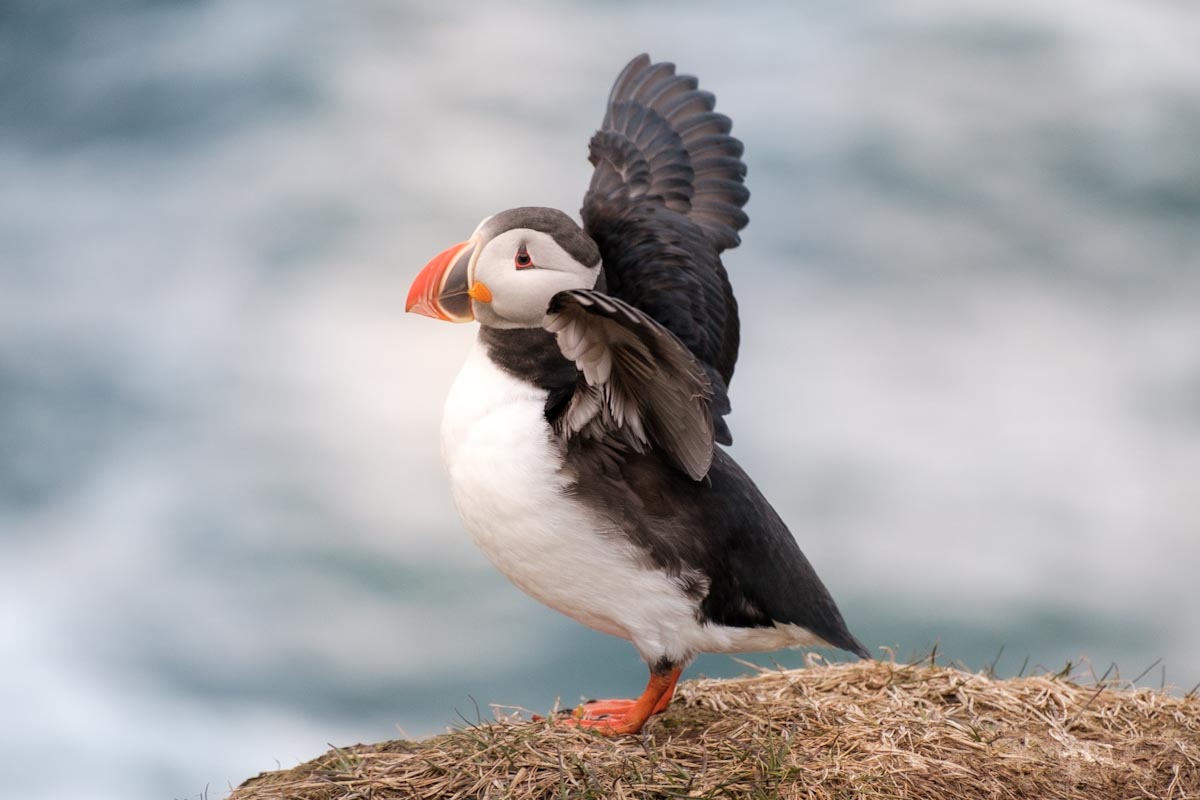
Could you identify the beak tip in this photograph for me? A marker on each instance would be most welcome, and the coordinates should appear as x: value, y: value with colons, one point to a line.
x: 425, y: 307
x: 414, y: 299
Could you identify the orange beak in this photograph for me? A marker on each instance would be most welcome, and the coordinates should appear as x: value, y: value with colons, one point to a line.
x: 441, y: 289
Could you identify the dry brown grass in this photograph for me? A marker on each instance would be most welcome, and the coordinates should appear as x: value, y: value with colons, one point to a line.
x: 867, y: 730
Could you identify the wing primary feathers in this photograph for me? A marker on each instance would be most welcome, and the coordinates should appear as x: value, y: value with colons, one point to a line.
x: 621, y: 85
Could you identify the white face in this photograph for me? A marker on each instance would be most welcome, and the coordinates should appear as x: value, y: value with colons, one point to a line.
x: 522, y: 269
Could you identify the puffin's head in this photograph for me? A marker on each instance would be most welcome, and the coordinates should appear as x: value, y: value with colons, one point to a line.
x: 506, y: 273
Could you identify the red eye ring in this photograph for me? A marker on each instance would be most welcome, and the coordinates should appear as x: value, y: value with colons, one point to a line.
x: 523, y: 260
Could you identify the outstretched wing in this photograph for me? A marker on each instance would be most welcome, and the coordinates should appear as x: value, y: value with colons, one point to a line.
x: 665, y: 199
x: 661, y: 141
x: 638, y: 384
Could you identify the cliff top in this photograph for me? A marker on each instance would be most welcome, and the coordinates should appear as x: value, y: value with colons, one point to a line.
x: 864, y: 730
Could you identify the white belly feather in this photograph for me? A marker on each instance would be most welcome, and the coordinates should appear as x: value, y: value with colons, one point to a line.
x: 506, y: 470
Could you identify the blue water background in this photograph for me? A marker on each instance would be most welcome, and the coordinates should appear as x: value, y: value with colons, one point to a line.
x: 970, y: 375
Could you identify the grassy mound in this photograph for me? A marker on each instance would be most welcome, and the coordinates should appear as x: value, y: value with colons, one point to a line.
x: 866, y: 730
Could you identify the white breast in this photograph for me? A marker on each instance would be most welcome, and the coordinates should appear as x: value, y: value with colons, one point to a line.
x: 506, y: 469
x: 508, y: 476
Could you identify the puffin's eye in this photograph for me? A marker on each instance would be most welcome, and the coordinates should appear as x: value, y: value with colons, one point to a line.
x: 523, y: 260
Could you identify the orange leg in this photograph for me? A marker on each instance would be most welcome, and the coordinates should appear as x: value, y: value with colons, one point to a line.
x: 594, y: 709
x: 612, y: 717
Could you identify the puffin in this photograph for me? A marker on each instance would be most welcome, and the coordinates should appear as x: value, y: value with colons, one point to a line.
x: 583, y: 435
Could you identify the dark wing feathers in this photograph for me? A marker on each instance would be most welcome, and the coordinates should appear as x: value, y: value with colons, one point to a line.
x: 671, y: 124
x: 665, y: 199
x: 661, y: 140
x: 638, y: 384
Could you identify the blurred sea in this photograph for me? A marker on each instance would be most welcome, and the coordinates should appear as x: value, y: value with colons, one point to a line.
x: 970, y: 375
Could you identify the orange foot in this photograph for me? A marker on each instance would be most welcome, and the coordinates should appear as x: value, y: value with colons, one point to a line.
x: 612, y: 717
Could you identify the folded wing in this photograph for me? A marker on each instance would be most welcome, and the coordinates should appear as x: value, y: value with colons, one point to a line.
x: 638, y: 385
